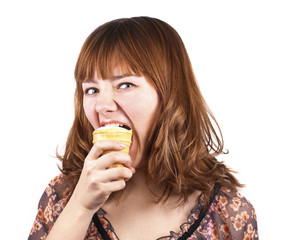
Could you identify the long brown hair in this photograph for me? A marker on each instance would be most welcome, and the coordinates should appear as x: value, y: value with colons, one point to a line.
x: 185, y: 139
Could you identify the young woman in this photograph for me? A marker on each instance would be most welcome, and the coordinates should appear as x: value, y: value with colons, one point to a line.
x: 136, y: 72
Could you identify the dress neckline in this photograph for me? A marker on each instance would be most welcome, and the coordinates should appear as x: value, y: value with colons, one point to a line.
x: 194, y: 219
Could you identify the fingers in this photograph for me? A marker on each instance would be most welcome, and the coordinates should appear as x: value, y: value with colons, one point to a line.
x: 102, y: 167
x: 103, y: 145
x: 116, y: 173
x: 98, y: 180
x: 102, y: 171
x: 113, y: 158
x: 116, y: 185
x: 108, y: 181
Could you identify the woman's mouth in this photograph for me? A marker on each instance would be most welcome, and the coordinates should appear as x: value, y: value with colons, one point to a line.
x: 117, y: 125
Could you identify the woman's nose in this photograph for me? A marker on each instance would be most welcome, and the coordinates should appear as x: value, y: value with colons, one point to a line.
x: 105, y: 102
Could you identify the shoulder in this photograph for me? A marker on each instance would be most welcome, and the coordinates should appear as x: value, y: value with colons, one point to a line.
x: 233, y: 200
x: 58, y: 187
x: 51, y: 204
x: 235, y: 214
x: 55, y: 196
x: 57, y: 192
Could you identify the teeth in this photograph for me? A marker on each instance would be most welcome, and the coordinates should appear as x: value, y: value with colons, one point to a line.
x: 117, y: 125
x: 113, y: 125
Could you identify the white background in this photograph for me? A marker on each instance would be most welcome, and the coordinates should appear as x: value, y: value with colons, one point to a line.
x: 240, y: 54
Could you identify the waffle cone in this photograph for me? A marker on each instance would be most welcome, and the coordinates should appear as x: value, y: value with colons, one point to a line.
x: 114, y: 133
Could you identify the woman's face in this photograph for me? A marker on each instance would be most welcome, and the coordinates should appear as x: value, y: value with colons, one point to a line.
x: 125, y: 99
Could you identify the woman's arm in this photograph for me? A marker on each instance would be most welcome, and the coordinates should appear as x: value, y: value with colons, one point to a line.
x: 72, y: 223
x: 94, y: 187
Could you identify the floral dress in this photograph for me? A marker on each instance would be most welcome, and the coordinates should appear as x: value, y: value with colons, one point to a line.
x: 230, y: 216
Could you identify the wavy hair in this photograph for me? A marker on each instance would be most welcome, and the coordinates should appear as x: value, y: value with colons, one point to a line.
x: 185, y: 139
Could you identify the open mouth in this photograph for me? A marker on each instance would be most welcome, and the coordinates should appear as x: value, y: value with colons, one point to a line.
x: 117, y: 125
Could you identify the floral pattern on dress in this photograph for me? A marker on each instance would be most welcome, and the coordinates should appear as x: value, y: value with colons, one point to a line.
x: 230, y: 216
x: 51, y: 204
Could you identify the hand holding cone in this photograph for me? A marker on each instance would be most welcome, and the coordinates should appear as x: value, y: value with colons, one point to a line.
x: 114, y: 133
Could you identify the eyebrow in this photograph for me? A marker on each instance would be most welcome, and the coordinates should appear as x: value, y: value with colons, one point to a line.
x: 119, y: 76
x: 113, y: 78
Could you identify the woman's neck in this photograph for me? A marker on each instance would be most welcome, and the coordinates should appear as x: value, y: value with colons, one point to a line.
x: 138, y: 187
x: 138, y: 195
x: 139, y: 190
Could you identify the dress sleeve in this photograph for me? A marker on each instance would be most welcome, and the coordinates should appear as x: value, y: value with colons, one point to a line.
x: 237, y: 217
x: 50, y: 206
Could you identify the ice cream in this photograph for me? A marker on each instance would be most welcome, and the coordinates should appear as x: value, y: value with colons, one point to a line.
x: 114, y: 132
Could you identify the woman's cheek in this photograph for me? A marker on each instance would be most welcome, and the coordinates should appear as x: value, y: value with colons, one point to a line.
x: 91, y: 113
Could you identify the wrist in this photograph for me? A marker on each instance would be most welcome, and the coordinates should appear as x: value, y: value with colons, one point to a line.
x: 78, y: 211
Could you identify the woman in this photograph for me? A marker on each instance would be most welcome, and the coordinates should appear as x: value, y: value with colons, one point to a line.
x: 136, y: 72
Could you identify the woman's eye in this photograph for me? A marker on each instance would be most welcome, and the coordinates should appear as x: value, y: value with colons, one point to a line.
x: 125, y: 85
x: 91, y: 91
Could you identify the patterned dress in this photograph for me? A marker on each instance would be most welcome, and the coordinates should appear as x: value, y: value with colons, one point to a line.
x: 230, y: 216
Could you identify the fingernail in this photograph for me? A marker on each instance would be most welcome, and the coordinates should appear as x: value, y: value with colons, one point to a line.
x: 122, y: 145
x: 133, y: 170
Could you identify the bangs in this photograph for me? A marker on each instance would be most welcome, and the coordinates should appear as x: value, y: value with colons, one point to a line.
x: 105, y: 52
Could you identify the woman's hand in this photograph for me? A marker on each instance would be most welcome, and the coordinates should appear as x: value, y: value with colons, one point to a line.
x: 96, y: 183
x: 97, y: 180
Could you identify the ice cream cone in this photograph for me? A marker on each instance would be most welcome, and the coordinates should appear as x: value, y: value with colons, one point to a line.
x: 114, y: 133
